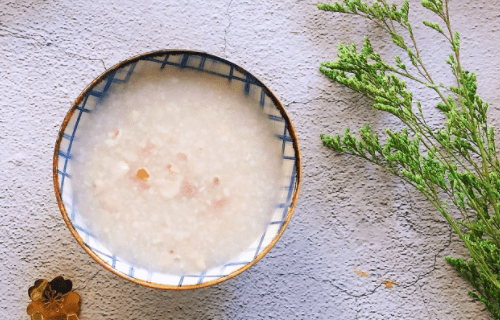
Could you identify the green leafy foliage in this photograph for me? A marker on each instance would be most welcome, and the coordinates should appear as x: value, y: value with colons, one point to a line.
x: 456, y: 162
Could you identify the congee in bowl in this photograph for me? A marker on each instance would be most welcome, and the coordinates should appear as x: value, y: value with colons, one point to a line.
x: 177, y: 169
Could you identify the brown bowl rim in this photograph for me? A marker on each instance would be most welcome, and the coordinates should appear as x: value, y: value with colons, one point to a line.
x: 100, y: 261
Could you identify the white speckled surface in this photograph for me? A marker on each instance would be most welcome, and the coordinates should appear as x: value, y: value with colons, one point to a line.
x: 350, y: 214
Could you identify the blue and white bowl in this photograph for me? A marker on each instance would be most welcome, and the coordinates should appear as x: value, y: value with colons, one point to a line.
x: 120, y: 73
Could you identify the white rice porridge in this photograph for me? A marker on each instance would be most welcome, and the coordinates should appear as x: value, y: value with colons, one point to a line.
x: 177, y: 170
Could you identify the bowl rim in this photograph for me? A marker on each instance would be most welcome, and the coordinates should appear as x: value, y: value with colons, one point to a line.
x: 102, y: 77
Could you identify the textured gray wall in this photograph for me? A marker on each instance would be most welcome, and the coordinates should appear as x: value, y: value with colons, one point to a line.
x: 350, y: 216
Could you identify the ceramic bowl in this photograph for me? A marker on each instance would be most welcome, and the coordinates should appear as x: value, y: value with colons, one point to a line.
x: 264, y: 98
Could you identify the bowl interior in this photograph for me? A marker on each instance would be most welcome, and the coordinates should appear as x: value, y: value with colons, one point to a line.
x: 90, y: 99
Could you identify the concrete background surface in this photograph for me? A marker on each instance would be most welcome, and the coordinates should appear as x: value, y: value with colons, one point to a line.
x: 351, y: 216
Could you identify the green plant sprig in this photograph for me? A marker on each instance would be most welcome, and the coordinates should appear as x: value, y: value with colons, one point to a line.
x: 457, y: 162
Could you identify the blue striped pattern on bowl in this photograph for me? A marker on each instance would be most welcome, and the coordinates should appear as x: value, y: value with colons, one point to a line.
x: 204, y: 63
